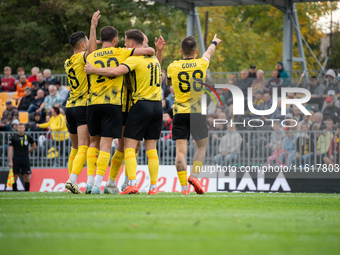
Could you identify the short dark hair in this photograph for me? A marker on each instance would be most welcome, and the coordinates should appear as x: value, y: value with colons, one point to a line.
x: 189, y: 45
x: 57, y: 82
x: 76, y: 38
x: 108, y: 33
x: 136, y: 35
x: 56, y: 109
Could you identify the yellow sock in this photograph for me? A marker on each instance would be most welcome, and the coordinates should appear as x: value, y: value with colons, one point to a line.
x: 153, y: 164
x: 116, y: 164
x: 80, y: 160
x: 73, y: 154
x: 92, y: 156
x: 130, y: 163
x: 182, y: 176
x: 103, y: 162
x: 196, y: 168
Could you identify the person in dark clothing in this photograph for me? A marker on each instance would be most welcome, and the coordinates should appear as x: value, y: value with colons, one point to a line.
x: 331, y: 111
x: 34, y: 89
x: 252, y: 72
x: 37, y: 120
x: 37, y: 102
x: 274, y: 82
x: 19, y: 155
x: 283, y: 74
x: 244, y: 83
x: 26, y: 101
x: 315, y: 87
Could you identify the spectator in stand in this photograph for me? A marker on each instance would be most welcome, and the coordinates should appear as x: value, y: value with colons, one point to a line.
x: 252, y: 72
x: 330, y: 111
x: 26, y: 101
x: 230, y: 147
x: 23, y: 83
x: 304, y: 147
x: 48, y: 76
x: 297, y: 114
x: 317, y: 119
x: 277, y: 152
x: 274, y: 82
x: 315, y: 88
x: 166, y: 105
x: 57, y: 124
x: 167, y: 122
x: 46, y: 88
x: 244, y: 83
x: 259, y: 82
x: 62, y: 92
x: 329, y: 125
x: 40, y: 80
x: 35, y: 105
x: 8, y: 116
x: 275, y: 136
x: 14, y: 125
x: 323, y: 145
x: 51, y: 100
x: 334, y: 151
x: 266, y: 104
x: 331, y: 83
x: 210, y: 121
x: 34, y: 72
x: 20, y: 71
x: 171, y: 97
x: 335, y: 101
x: 37, y: 120
x: 277, y: 113
x: 34, y: 89
x: 7, y: 82
x: 305, y: 120
x: 288, y: 145
x: 283, y: 74
x: 258, y: 99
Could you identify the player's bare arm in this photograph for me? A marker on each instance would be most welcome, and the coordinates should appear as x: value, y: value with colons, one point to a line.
x: 211, y: 48
x: 159, y: 43
x: 93, y: 40
x: 107, y: 71
x: 143, y: 51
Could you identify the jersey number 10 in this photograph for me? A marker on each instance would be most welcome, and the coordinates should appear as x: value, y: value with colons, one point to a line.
x: 154, y: 75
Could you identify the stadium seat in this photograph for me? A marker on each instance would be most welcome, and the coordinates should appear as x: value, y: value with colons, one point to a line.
x: 4, y: 96
x: 2, y: 108
x: 15, y: 102
x: 23, y: 117
x: 15, y: 95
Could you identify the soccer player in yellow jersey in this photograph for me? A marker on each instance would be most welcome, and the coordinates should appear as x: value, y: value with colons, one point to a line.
x: 145, y: 116
x: 118, y: 157
x: 104, y: 110
x: 76, y: 103
x: 180, y: 73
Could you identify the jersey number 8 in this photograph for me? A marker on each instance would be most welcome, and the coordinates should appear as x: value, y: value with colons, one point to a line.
x: 186, y: 80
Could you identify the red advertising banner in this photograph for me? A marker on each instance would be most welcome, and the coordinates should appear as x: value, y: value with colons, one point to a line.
x: 53, y: 180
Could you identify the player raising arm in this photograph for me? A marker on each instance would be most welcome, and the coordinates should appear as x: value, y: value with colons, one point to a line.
x: 180, y: 73
x: 76, y: 103
x: 145, y: 117
x: 104, y: 110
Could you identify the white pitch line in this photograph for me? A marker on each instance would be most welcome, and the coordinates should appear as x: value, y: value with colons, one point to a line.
x: 271, y: 195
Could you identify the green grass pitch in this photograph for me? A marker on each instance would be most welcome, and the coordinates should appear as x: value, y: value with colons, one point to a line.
x: 169, y: 223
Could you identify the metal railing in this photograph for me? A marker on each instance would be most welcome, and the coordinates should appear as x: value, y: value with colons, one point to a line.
x: 254, y: 150
x: 223, y: 77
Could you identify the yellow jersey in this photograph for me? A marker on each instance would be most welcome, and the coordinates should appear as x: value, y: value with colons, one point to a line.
x: 146, y: 78
x: 107, y: 90
x: 77, y: 79
x: 183, y: 73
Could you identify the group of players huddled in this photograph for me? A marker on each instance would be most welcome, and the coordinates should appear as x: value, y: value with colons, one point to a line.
x: 116, y: 93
